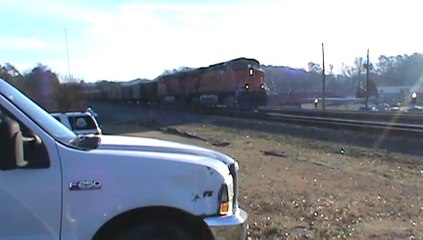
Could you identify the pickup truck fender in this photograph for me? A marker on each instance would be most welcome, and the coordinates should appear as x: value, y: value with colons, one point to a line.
x: 128, y: 179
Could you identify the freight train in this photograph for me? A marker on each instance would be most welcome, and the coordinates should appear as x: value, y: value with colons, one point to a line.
x: 238, y: 83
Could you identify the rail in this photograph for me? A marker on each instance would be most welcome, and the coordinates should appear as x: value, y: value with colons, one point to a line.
x: 383, y: 124
x: 394, y: 117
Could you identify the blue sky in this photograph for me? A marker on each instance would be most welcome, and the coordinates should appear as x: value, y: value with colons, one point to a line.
x: 124, y: 40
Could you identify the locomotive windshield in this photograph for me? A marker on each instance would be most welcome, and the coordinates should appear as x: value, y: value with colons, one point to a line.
x: 242, y: 65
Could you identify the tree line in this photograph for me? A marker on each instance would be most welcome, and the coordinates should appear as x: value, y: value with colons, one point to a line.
x: 43, y: 87
x: 401, y: 70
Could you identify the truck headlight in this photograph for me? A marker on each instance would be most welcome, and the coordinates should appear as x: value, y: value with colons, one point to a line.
x: 226, y: 195
x: 224, y: 200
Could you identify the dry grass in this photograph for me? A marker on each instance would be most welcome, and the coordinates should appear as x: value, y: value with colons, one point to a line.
x: 311, y: 191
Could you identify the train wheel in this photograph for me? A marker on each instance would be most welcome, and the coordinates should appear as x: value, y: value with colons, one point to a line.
x: 230, y: 102
x: 194, y: 102
x: 246, y: 105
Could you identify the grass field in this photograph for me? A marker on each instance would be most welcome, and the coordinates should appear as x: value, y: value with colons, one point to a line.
x: 296, y: 188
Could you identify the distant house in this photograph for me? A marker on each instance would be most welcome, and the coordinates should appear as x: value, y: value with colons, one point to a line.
x: 298, y: 98
x: 395, y: 94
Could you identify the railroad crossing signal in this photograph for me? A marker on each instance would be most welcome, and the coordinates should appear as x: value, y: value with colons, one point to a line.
x: 414, y: 97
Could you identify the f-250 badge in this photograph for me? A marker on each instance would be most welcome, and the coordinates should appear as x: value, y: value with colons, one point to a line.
x: 85, y: 185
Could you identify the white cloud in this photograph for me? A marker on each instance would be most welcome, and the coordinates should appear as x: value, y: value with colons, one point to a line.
x: 27, y: 43
x: 141, y: 40
x: 55, y: 10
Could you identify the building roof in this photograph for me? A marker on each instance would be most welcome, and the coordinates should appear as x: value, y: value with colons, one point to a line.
x: 398, y: 89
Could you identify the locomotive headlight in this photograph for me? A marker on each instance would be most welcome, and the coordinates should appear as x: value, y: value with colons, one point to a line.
x: 262, y: 86
x: 251, y: 71
x: 247, y: 86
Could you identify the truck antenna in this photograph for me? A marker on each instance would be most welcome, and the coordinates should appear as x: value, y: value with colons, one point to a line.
x: 67, y: 53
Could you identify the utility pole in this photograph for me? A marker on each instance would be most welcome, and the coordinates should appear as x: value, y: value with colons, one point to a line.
x: 67, y: 52
x: 367, y: 80
x: 324, y: 78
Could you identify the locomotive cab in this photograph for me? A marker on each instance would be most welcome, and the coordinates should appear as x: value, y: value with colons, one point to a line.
x: 251, y: 90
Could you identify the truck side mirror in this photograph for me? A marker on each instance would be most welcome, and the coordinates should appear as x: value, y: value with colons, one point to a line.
x: 11, y: 145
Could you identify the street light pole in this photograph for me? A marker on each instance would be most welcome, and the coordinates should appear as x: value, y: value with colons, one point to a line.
x: 367, y: 80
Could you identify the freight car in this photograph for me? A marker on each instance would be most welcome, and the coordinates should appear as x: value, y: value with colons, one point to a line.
x: 139, y: 90
x: 235, y: 83
x: 148, y: 92
x: 105, y: 91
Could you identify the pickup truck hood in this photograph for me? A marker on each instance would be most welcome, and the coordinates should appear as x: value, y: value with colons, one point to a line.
x: 125, y: 143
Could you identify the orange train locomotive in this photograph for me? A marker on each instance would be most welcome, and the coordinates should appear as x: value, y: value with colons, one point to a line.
x: 236, y: 83
x: 239, y: 83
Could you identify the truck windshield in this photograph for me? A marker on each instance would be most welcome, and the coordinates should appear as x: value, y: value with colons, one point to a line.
x: 37, y: 114
x: 82, y: 123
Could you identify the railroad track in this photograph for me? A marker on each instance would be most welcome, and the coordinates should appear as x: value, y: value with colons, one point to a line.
x: 394, y: 117
x: 383, y: 125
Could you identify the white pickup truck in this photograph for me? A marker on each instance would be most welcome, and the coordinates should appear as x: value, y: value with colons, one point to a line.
x: 57, y: 185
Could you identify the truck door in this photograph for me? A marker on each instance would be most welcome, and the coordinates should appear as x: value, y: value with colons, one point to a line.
x: 30, y: 194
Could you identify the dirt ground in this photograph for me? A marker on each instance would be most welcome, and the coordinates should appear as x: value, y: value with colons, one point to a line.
x: 298, y: 188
